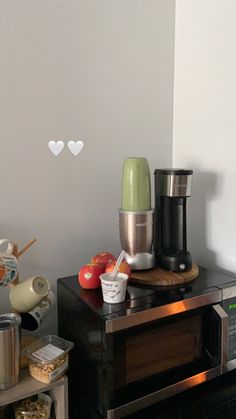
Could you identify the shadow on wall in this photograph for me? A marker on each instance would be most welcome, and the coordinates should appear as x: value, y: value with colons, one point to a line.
x: 206, y: 188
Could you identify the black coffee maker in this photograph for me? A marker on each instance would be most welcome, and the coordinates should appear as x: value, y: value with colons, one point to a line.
x: 172, y: 187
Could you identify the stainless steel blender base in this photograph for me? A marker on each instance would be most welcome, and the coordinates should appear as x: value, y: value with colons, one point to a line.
x: 136, y: 238
x: 141, y: 260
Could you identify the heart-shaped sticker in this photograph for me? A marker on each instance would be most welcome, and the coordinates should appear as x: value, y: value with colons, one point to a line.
x: 75, y: 147
x: 56, y: 147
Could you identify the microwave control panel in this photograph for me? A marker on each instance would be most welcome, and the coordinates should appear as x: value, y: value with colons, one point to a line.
x: 229, y: 307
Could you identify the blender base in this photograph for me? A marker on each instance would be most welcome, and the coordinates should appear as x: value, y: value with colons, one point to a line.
x: 141, y: 261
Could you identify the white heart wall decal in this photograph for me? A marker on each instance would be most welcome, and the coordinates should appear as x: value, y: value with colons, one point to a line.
x: 75, y: 147
x: 56, y: 147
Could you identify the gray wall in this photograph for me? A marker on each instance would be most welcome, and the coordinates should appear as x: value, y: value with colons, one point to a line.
x: 204, y: 125
x: 102, y: 70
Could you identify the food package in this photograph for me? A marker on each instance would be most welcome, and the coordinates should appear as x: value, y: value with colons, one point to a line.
x: 32, y: 408
x: 48, y: 358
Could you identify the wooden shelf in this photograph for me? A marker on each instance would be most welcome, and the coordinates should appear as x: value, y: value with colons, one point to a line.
x: 28, y: 386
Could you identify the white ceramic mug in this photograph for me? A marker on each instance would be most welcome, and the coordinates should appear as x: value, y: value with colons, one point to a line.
x: 29, y: 293
x: 9, y: 266
x: 114, y: 289
x: 34, y: 318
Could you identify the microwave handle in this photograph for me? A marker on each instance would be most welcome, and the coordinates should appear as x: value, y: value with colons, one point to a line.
x: 162, y: 394
x: 224, y: 322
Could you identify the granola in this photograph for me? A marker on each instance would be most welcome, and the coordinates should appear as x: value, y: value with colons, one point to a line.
x: 33, y: 409
x: 49, y: 371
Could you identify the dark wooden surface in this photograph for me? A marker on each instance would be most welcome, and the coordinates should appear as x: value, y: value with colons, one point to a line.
x: 159, y: 276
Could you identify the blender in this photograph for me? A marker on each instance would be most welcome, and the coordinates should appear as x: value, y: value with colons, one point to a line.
x: 136, y: 217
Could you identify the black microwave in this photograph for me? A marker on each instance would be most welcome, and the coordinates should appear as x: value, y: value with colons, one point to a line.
x: 159, y: 342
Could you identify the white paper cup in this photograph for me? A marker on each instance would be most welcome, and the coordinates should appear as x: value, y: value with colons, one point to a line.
x: 114, y: 289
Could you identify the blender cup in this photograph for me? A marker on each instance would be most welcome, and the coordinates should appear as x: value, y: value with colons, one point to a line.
x: 135, y: 215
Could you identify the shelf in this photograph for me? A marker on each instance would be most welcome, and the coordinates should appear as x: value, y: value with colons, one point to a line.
x: 28, y: 386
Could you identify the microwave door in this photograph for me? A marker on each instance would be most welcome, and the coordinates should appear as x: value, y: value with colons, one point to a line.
x: 218, y: 356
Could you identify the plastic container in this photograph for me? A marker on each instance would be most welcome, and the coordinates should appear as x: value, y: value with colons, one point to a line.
x: 136, y: 185
x: 34, y: 408
x: 48, y: 358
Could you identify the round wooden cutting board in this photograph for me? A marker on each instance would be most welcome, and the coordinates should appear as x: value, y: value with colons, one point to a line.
x: 159, y: 276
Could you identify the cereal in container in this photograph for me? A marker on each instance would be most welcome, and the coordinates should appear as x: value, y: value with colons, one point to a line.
x: 48, y: 358
x: 32, y: 408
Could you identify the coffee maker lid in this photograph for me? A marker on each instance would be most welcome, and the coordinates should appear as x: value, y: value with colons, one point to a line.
x: 178, y: 172
x: 173, y: 182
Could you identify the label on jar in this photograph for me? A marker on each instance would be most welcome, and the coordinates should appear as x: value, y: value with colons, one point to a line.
x: 48, y: 352
x: 58, y: 370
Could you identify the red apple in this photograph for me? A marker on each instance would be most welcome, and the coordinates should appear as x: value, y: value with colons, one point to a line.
x: 88, y: 275
x: 104, y: 258
x: 124, y: 267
